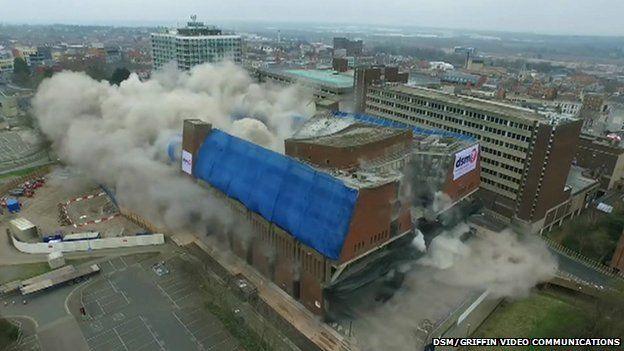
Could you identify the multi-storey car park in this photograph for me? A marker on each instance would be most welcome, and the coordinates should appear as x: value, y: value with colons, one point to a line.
x: 326, y: 84
x: 526, y: 155
x: 193, y: 45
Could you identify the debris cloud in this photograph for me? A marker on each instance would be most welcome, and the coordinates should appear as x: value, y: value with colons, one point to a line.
x: 118, y: 135
x: 454, y: 269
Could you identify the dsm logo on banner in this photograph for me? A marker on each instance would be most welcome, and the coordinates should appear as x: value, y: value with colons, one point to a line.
x: 465, y: 161
x: 187, y: 162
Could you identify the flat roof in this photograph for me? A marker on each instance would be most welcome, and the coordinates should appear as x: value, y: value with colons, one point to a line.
x: 436, y: 144
x: 22, y: 223
x: 577, y: 181
x: 474, y: 103
x: 354, y: 135
x: 321, y: 76
x: 322, y: 124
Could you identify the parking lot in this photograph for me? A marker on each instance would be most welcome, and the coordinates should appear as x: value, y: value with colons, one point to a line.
x: 205, y: 330
x: 13, y: 146
x: 104, y: 298
x: 131, y: 307
x: 130, y: 334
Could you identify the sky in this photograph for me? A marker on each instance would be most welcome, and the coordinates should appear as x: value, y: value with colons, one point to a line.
x: 583, y: 17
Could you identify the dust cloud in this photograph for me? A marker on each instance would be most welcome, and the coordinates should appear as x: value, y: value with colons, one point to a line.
x: 457, y: 267
x: 454, y: 269
x: 118, y: 135
x: 506, y: 264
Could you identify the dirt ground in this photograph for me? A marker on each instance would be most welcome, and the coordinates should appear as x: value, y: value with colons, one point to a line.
x: 62, y: 186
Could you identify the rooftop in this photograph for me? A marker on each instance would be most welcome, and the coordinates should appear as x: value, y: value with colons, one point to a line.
x: 477, y: 104
x: 22, y: 223
x: 320, y: 76
x: 437, y: 144
x: 577, y: 181
x: 360, y: 117
x: 322, y: 124
x: 354, y: 135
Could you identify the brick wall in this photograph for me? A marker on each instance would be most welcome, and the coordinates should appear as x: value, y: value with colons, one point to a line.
x: 553, y: 153
x: 605, y: 161
x: 346, y: 157
x: 372, y: 223
x: 464, y: 185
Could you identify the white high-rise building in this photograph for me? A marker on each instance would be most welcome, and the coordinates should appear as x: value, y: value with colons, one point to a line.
x: 193, y: 45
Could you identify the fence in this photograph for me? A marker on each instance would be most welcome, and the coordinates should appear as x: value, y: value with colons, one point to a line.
x: 586, y: 261
x: 140, y: 221
x: 88, y: 245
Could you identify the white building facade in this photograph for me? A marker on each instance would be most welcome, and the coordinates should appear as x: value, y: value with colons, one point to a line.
x: 193, y: 45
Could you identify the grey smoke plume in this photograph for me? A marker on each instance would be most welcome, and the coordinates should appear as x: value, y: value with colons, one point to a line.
x: 423, y: 177
x: 453, y: 271
x: 118, y: 135
x: 505, y: 264
x: 419, y: 241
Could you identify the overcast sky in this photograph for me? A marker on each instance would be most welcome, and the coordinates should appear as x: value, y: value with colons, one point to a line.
x: 594, y: 17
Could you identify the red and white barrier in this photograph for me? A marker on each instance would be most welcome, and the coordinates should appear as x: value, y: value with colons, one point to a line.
x: 95, y: 221
x: 85, y: 197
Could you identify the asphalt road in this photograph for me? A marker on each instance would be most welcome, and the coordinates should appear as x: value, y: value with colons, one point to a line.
x: 579, y: 270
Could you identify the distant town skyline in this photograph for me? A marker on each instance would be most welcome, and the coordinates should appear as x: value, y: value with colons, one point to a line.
x: 573, y: 17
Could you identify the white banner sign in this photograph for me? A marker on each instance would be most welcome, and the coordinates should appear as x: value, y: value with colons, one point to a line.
x: 187, y: 162
x: 465, y: 161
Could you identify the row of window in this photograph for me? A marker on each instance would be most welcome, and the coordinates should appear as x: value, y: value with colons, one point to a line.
x: 499, y: 142
x: 486, y: 150
x: 429, y: 123
x: 500, y: 186
x: 499, y: 175
x: 309, y: 262
x: 358, y: 247
x: 459, y: 121
x: 456, y: 110
x: 379, y: 237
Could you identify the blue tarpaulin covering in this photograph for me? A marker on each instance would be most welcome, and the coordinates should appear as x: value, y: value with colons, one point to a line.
x: 394, y: 124
x: 313, y: 206
x: 13, y: 205
x: 174, y: 148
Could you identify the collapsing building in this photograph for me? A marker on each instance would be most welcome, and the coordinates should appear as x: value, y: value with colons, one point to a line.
x: 332, y: 210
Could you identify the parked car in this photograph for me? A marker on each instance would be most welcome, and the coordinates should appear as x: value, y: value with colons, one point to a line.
x: 16, y: 192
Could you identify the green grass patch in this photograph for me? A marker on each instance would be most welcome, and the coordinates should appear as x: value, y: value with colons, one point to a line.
x: 20, y: 173
x: 22, y: 271
x: 8, y: 334
x: 28, y: 270
x: 249, y: 339
x: 541, y: 315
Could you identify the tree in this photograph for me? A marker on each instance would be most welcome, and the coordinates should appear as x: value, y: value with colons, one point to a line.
x: 96, y: 69
x: 47, y: 72
x: 21, y: 71
x: 119, y: 75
